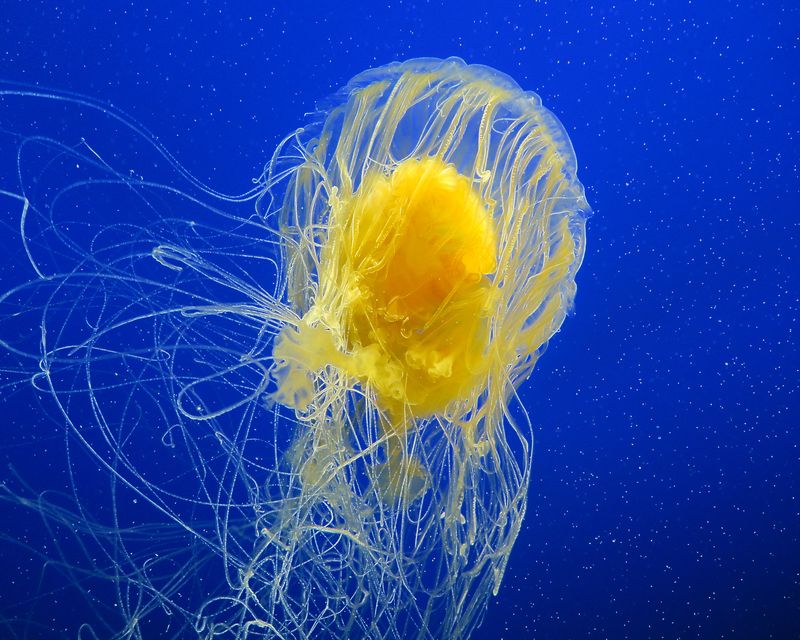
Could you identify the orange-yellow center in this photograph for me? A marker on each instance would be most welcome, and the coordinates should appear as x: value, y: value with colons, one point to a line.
x: 417, y: 245
x: 403, y: 275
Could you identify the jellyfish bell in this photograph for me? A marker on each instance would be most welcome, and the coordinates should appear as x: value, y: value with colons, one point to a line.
x: 343, y: 455
x: 435, y: 227
x: 431, y: 195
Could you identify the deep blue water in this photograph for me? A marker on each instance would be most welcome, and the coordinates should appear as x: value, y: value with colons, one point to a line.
x: 665, y: 500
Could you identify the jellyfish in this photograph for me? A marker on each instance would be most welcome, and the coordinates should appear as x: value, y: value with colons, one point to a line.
x: 303, y: 399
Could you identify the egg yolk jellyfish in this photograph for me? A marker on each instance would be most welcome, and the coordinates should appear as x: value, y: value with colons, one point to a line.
x: 297, y: 404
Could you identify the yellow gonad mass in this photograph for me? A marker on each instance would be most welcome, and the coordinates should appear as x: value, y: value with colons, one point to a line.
x: 404, y: 278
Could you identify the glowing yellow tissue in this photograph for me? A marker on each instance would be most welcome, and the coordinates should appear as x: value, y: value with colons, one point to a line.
x: 411, y: 250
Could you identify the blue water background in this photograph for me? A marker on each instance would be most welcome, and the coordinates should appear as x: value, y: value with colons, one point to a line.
x: 665, y: 500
